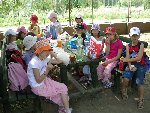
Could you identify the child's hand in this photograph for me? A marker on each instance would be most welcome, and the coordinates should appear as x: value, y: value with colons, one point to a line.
x: 49, y: 66
x: 105, y: 63
x: 107, y: 40
x: 124, y: 59
x: 132, y: 68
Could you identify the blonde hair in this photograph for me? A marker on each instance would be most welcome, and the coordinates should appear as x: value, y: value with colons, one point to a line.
x: 116, y: 36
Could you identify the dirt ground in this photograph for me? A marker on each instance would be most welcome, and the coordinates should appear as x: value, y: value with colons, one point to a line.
x: 106, y: 101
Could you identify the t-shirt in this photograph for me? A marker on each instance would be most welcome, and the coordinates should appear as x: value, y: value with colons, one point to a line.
x: 39, y: 64
x: 12, y: 45
x: 114, y: 47
x: 27, y: 56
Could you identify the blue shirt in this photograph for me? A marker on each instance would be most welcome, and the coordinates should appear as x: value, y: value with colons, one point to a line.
x: 27, y: 56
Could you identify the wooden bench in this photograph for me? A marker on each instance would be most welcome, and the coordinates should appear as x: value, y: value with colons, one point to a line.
x: 20, y: 102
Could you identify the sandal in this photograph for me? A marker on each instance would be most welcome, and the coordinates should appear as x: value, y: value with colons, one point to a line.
x: 124, y: 94
x: 140, y: 104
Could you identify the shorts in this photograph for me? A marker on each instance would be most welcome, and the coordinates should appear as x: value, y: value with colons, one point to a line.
x: 139, y: 73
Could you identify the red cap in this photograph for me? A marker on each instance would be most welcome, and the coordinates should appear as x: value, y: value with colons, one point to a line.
x: 110, y: 30
x: 34, y: 18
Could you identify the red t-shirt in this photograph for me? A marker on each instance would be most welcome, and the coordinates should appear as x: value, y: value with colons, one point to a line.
x: 136, y: 49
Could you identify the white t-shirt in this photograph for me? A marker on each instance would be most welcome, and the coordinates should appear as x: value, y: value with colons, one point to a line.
x: 12, y: 45
x: 39, y: 64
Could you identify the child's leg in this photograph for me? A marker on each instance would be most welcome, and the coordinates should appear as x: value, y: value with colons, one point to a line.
x: 107, y: 71
x: 127, y: 74
x: 65, y: 100
x: 100, y: 70
x: 140, y: 81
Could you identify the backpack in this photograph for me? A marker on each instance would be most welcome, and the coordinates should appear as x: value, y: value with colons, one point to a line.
x: 17, y: 77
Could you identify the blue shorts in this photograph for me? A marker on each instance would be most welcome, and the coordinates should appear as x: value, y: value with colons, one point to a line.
x: 139, y: 73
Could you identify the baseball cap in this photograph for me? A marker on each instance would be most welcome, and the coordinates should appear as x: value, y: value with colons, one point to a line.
x: 10, y: 32
x: 110, y: 30
x: 29, y: 41
x: 134, y: 30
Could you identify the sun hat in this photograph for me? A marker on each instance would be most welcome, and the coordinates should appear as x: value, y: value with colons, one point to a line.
x: 52, y: 15
x: 29, y: 41
x: 78, y: 17
x: 10, y: 32
x: 34, y: 18
x: 21, y: 29
x: 95, y: 26
x: 134, y: 31
x: 42, y: 45
x: 110, y: 30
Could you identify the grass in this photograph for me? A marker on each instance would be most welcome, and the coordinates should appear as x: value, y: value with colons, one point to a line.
x: 99, y: 14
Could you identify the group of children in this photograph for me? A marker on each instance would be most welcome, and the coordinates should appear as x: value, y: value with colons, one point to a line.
x: 39, y: 66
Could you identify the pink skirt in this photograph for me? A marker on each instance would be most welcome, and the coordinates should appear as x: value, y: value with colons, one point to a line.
x: 51, y: 90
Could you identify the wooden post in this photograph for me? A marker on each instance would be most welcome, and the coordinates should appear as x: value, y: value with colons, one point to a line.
x: 129, y: 9
x: 92, y: 11
x: 69, y: 13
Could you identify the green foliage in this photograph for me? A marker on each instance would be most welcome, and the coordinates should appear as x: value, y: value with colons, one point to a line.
x: 15, y: 12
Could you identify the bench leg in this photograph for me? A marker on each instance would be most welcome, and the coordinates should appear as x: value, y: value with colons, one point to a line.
x: 7, y: 107
x: 37, y: 105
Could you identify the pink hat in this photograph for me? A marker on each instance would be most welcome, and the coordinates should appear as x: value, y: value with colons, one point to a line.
x: 22, y: 29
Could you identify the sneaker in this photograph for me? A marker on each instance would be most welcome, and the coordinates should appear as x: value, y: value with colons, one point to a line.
x: 62, y: 110
x: 124, y: 94
x: 140, y: 104
x: 108, y: 84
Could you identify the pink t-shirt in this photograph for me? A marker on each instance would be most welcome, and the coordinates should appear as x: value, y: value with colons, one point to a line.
x: 114, y: 46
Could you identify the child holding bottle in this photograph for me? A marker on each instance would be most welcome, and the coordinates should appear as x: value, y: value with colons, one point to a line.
x: 113, y: 52
x: 38, y: 69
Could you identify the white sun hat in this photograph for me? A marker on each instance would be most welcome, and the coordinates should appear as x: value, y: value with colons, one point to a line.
x: 95, y: 26
x: 52, y: 15
x: 29, y: 41
x: 10, y: 32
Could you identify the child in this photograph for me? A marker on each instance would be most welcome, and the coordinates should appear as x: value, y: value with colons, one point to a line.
x: 38, y: 69
x: 21, y: 34
x: 95, y: 32
x: 80, y: 34
x: 34, y: 27
x: 29, y: 43
x: 12, y: 52
x: 113, y: 52
x: 11, y: 39
x: 79, y: 20
x: 136, y: 62
x: 54, y: 28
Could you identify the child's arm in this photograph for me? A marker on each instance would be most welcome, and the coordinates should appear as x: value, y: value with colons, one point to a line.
x: 102, y: 45
x: 39, y: 78
x: 127, y: 55
x: 139, y: 56
x: 106, y: 62
x: 107, y: 42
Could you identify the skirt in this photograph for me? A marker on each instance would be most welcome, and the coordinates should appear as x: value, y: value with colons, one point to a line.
x: 51, y: 90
